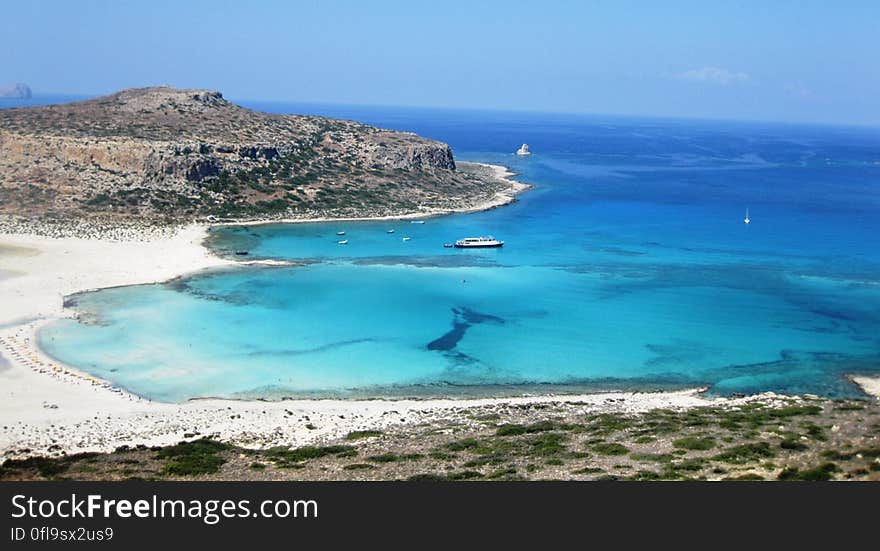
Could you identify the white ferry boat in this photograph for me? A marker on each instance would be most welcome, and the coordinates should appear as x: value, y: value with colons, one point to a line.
x: 478, y: 243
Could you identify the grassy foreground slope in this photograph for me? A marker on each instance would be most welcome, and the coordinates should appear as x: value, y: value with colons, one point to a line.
x: 779, y: 439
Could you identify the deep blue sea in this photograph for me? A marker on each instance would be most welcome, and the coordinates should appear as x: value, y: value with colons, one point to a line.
x: 627, y: 266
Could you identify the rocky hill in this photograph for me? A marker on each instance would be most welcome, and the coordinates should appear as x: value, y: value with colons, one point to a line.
x: 166, y: 155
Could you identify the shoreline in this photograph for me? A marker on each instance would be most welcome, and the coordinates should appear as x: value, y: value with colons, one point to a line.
x: 40, y: 395
x: 49, y: 408
x: 499, y: 199
x: 162, y: 254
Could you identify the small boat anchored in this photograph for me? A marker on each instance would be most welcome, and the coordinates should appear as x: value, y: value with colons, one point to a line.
x: 407, y: 238
x: 747, y: 220
x: 340, y: 233
x: 478, y: 243
x: 343, y: 242
x: 390, y: 231
x: 523, y: 150
x: 417, y: 222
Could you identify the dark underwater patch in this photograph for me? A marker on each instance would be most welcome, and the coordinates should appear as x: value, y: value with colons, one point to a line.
x: 677, y: 352
x: 316, y: 349
x: 767, y: 279
x: 449, y: 340
x: 619, y: 251
x: 462, y: 319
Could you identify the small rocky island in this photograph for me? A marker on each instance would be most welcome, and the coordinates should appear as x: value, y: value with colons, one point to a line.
x: 166, y: 156
x: 15, y: 91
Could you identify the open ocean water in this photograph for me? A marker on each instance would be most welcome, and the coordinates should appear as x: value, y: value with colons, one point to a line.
x: 627, y: 266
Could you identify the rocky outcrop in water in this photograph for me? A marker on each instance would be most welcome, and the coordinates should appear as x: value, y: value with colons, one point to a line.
x: 15, y: 91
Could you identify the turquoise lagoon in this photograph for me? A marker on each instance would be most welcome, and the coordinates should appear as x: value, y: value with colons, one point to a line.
x: 627, y: 266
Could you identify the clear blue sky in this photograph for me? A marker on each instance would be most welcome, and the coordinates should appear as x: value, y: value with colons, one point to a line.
x: 767, y: 60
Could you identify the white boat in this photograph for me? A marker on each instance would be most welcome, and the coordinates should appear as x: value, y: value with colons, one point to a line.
x: 747, y: 219
x: 417, y: 222
x: 407, y: 238
x: 343, y: 242
x: 390, y: 231
x: 478, y: 243
x: 524, y: 150
x: 340, y: 233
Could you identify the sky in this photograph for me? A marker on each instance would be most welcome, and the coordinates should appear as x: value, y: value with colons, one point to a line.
x: 780, y: 60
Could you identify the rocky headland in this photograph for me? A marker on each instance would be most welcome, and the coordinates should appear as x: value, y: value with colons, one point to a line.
x: 166, y: 156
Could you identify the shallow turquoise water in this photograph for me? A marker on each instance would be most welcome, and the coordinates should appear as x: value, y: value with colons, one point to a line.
x: 627, y: 266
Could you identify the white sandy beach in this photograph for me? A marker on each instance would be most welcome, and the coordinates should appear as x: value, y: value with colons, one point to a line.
x: 49, y: 408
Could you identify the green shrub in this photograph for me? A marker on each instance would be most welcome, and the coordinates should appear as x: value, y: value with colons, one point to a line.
x: 358, y: 434
x: 189, y: 465
x: 548, y: 444
x: 193, y: 458
x: 358, y: 467
x: 502, y: 473
x: 47, y: 467
x: 793, y: 444
x: 285, y: 456
x: 822, y: 472
x: 427, y: 477
x: 694, y: 443
x: 541, y: 426
x: 745, y: 453
x: 393, y: 457
x: 610, y: 448
x: 461, y: 445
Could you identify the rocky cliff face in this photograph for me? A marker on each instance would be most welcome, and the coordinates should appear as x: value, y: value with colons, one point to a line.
x: 172, y: 155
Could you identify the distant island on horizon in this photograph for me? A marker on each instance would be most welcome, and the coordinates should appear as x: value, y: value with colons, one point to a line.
x: 331, y: 109
x: 165, y: 155
x: 15, y: 90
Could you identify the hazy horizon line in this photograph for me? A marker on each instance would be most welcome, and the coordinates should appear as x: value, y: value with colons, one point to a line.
x: 242, y: 101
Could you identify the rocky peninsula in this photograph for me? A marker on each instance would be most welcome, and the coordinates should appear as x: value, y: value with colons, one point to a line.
x: 164, y: 156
